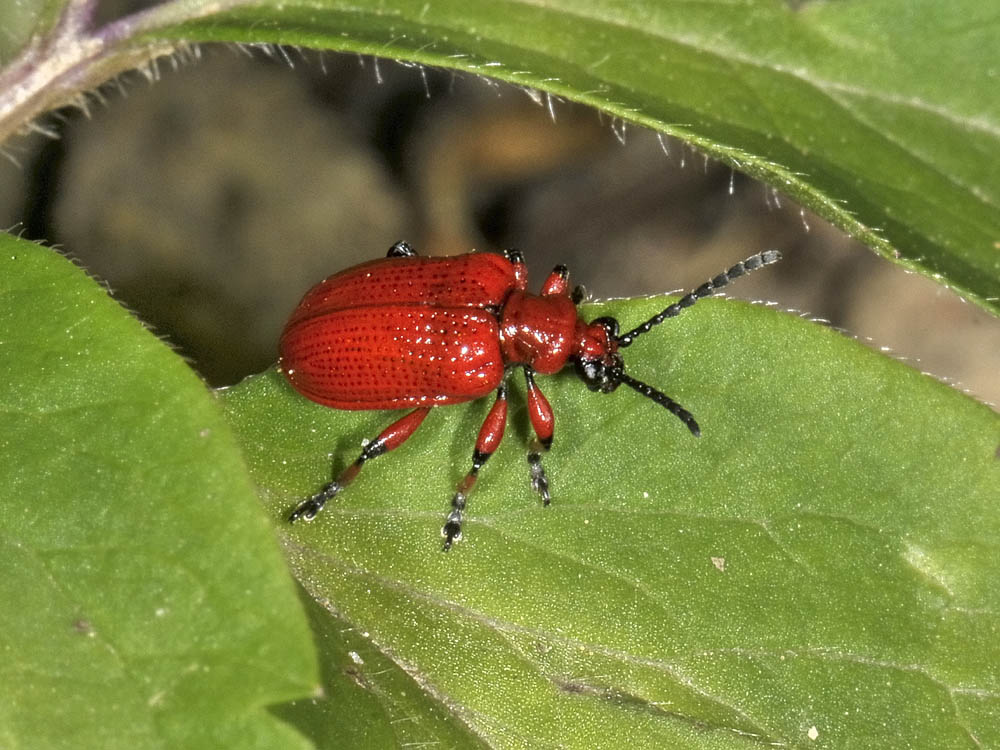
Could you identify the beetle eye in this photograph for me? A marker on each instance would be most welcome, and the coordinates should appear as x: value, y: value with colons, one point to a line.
x: 589, y: 372
x: 596, y: 375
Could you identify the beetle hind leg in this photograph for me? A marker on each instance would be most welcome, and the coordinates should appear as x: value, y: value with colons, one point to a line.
x: 490, y: 435
x: 307, y: 509
x: 390, y: 438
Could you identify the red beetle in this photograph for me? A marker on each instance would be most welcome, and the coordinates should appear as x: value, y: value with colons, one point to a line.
x: 410, y: 332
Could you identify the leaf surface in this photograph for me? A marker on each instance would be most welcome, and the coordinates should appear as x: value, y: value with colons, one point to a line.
x: 23, y: 18
x: 144, y: 600
x: 821, y: 563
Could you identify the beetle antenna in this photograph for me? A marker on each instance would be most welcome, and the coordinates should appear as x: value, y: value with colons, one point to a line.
x: 707, y: 289
x: 661, y: 398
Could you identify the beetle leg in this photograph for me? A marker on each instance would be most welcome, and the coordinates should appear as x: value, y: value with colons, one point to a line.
x: 401, y: 249
x: 543, y: 424
x: 391, y: 437
x: 520, y: 269
x: 557, y: 282
x: 490, y: 435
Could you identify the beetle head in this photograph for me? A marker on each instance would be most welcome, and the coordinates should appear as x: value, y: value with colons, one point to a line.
x: 601, y: 367
x: 596, y: 356
x: 599, y: 363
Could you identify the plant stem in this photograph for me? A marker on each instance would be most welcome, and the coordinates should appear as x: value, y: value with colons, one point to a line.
x: 56, y: 68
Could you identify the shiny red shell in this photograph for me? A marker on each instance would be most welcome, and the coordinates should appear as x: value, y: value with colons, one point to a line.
x: 410, y: 332
x: 406, y: 332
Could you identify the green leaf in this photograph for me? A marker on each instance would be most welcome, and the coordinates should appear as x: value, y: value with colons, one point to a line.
x: 817, y: 570
x: 143, y: 601
x: 21, y: 19
x: 882, y: 117
x: 368, y: 701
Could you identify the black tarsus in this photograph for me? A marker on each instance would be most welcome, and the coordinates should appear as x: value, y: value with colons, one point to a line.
x: 401, y: 249
x: 513, y: 255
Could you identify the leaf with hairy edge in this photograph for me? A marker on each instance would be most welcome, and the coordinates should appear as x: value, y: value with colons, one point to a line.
x: 816, y: 571
x: 851, y: 108
x: 368, y: 701
x: 143, y: 601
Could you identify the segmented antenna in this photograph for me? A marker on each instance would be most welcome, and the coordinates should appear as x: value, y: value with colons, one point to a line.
x: 661, y: 398
x: 707, y: 289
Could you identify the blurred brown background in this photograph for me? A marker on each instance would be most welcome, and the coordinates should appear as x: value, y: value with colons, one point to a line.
x: 212, y: 199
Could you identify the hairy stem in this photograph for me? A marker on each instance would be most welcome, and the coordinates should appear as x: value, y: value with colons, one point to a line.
x: 56, y: 68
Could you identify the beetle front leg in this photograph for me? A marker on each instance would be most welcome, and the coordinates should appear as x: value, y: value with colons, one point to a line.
x: 543, y: 424
x: 392, y: 437
x: 490, y: 435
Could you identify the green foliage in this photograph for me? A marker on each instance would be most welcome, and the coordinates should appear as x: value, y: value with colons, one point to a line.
x: 818, y: 570
x: 854, y: 109
x: 822, y: 557
x: 144, y: 601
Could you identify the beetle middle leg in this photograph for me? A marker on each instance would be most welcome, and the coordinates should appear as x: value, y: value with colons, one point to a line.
x: 490, y: 435
x: 390, y: 438
x: 543, y: 423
